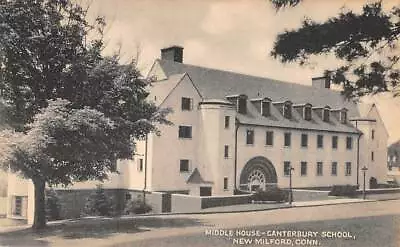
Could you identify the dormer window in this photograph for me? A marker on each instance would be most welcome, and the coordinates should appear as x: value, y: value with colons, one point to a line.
x: 242, y: 104
x: 287, y: 110
x: 343, y: 116
x: 307, y: 112
x: 240, y: 101
x: 325, y: 114
x: 266, y: 108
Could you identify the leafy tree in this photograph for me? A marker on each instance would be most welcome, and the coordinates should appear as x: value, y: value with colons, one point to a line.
x: 366, y: 43
x: 74, y: 111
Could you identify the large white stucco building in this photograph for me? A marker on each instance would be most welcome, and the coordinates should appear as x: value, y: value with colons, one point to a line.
x: 239, y: 131
x: 233, y: 131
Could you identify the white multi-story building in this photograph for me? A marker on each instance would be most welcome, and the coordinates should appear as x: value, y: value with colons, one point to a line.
x: 239, y: 131
x: 234, y: 131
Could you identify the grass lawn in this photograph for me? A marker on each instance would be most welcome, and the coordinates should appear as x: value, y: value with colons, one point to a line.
x: 96, y: 228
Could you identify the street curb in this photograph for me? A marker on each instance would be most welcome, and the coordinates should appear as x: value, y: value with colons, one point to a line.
x: 257, y: 210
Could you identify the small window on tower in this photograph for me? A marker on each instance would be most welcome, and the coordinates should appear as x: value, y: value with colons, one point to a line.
x: 250, y: 137
x: 227, y: 122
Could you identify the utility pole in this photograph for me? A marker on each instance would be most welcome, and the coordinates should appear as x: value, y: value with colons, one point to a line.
x: 290, y: 185
x: 364, y: 169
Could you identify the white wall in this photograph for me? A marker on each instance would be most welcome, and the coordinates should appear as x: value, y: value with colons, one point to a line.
x: 277, y: 154
x: 214, y: 137
x: 378, y: 167
x: 167, y: 149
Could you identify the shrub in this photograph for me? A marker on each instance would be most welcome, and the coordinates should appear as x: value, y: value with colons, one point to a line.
x: 99, y: 204
x: 388, y: 185
x: 373, y: 183
x: 53, y: 205
x: 137, y: 207
x: 344, y: 190
x: 271, y: 194
x: 240, y: 192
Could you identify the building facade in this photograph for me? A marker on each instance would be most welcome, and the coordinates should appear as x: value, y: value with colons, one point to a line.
x: 239, y: 132
x: 234, y: 131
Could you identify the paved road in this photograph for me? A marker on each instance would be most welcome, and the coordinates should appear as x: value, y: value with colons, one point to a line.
x: 366, y: 224
x: 371, y: 231
x: 370, y: 223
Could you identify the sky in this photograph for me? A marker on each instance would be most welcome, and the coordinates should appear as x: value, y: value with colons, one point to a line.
x: 234, y: 35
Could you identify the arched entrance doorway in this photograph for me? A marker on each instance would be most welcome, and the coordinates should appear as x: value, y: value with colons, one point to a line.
x: 258, y: 173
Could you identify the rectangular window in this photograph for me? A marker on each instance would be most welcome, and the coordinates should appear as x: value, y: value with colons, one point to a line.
x: 185, y: 131
x: 319, y: 169
x: 334, y: 169
x: 18, y: 205
x: 343, y: 117
x: 304, y: 140
x: 186, y: 104
x: 286, y: 168
x: 250, y: 137
x: 307, y: 113
x: 334, y: 142
x: 325, y: 115
x: 349, y: 142
x: 225, y: 183
x: 320, y: 141
x: 287, y: 139
x: 242, y: 105
x: 373, y: 134
x: 265, y: 108
x: 303, y: 168
x: 227, y: 122
x: 348, y: 168
x: 184, y: 165
x: 226, y: 151
x: 287, y: 111
x: 140, y: 165
x: 269, y: 138
x: 372, y: 156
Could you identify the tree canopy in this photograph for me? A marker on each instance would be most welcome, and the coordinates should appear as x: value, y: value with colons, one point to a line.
x: 366, y: 43
x: 74, y: 111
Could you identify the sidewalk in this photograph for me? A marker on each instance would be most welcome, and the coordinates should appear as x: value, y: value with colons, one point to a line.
x: 214, y: 210
x: 272, y: 206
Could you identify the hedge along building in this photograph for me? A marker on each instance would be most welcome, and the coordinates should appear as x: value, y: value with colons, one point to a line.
x: 234, y: 131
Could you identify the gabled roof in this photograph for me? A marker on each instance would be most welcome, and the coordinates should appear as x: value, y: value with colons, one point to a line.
x: 161, y: 89
x: 216, y: 84
x: 196, y: 178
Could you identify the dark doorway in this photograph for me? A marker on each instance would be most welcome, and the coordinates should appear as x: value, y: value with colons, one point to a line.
x: 205, y: 191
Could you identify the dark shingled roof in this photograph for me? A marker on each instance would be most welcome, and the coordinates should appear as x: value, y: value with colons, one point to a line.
x: 216, y: 84
x: 276, y: 119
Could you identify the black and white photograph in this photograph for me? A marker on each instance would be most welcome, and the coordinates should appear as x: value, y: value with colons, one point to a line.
x: 175, y: 123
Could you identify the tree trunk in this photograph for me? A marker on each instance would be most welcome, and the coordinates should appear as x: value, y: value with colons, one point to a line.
x: 39, y: 220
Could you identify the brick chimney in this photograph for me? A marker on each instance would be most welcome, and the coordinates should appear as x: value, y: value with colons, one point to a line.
x: 173, y: 53
x: 321, y: 82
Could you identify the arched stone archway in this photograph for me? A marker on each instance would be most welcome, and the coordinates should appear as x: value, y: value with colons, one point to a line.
x: 257, y: 173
